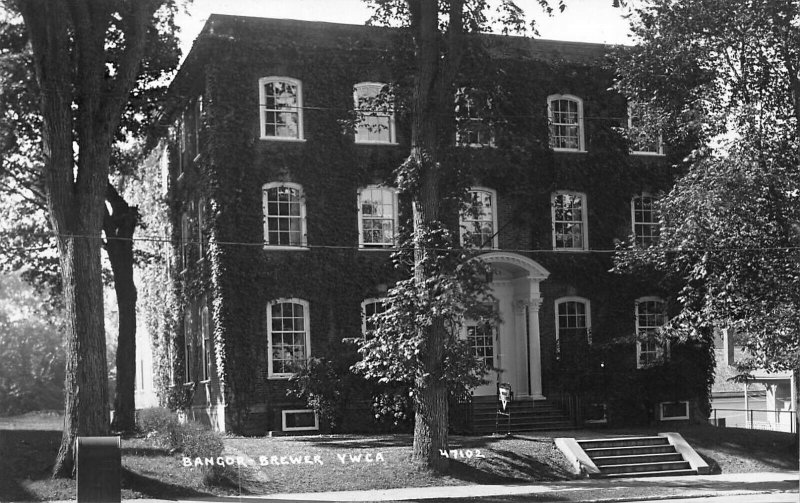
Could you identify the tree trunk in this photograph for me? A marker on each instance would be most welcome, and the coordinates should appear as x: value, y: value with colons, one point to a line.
x: 86, y: 383
x: 119, y: 227
x: 430, y: 398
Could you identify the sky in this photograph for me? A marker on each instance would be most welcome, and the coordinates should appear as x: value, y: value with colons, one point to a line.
x: 583, y: 20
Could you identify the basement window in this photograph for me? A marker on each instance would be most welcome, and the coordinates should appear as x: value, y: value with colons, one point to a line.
x: 596, y: 413
x: 299, y: 420
x: 673, y: 411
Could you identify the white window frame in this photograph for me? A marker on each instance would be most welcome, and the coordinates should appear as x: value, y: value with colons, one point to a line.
x: 364, y: 317
x: 660, y: 350
x: 495, y: 366
x: 285, y: 412
x: 584, y: 223
x: 263, y: 110
x: 307, y: 334
x: 587, y: 315
x: 633, y: 142
x: 684, y: 417
x: 201, y: 210
x: 639, y: 238
x: 465, y: 218
x: 186, y: 233
x: 365, y: 113
x: 163, y: 163
x: 206, y: 344
x: 302, y: 202
x: 188, y: 346
x: 392, y: 192
x: 551, y: 116
x: 468, y: 120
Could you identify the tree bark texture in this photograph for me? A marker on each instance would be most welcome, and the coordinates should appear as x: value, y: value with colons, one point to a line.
x: 68, y: 39
x: 119, y: 226
x: 432, y: 95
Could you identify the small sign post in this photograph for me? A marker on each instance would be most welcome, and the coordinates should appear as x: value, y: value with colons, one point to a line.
x: 504, y: 398
x: 98, y: 461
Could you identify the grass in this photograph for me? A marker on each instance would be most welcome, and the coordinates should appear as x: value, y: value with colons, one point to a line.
x: 29, y: 445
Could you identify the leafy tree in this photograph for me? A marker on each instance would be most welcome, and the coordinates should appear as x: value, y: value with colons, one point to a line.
x: 31, y: 349
x: 724, y: 74
x: 416, y: 340
x: 88, y: 56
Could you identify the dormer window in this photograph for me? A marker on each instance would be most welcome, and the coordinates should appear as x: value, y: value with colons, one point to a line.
x: 281, y: 107
x: 565, y: 113
x: 374, y: 106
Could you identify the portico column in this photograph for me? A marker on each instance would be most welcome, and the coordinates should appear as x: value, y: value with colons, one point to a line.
x: 535, y: 344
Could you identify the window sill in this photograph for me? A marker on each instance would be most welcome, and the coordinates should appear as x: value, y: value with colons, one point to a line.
x: 283, y: 139
x: 387, y: 143
x: 388, y: 248
x: 570, y: 150
x: 572, y: 250
x: 649, y: 154
x: 207, y: 381
x: 277, y: 377
x: 476, y: 145
x: 285, y: 248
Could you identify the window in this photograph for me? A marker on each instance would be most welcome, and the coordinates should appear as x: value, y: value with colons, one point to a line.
x: 377, y: 219
x: 186, y: 239
x: 479, y: 220
x: 565, y: 113
x: 170, y: 363
x: 288, y: 336
x: 650, y: 318
x: 188, y: 354
x: 472, y: 127
x: 369, y: 308
x: 201, y: 204
x: 299, y: 420
x: 163, y: 162
x: 190, y: 125
x: 673, y: 411
x: 281, y: 106
x: 481, y: 337
x: 643, y: 139
x: 569, y: 221
x: 374, y: 106
x: 644, y: 218
x: 284, y: 215
x: 205, y: 338
x: 573, y: 325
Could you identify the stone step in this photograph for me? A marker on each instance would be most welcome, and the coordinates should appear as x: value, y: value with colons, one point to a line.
x: 630, y: 451
x: 661, y: 473
x: 622, y: 442
x: 602, y: 461
x: 645, y: 467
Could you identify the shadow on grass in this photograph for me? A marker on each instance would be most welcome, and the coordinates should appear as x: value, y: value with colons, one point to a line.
x: 155, y: 488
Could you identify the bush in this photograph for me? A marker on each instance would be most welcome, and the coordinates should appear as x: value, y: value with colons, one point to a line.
x: 191, y: 439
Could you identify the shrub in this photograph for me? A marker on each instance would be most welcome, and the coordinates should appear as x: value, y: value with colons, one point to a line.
x: 191, y: 439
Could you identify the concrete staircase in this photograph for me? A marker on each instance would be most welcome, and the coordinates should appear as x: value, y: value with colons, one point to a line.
x: 667, y: 454
x: 526, y: 415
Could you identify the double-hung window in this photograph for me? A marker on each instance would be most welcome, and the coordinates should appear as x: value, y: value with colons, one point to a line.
x: 650, y: 319
x: 645, y: 220
x: 478, y: 221
x: 370, y: 308
x: 377, y: 217
x: 643, y: 139
x: 188, y: 344
x: 481, y: 336
x: 284, y: 215
x: 288, y: 336
x: 281, y: 108
x: 374, y: 107
x: 570, y: 230
x: 472, y: 126
x: 573, y: 325
x: 565, y: 114
x: 205, y: 339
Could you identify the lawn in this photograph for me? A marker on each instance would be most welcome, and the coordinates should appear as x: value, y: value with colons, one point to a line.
x: 342, y: 462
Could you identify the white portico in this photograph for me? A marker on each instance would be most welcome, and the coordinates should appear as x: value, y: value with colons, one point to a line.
x: 515, y: 342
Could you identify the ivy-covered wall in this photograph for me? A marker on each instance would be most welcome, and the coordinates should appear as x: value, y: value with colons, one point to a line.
x: 237, y: 276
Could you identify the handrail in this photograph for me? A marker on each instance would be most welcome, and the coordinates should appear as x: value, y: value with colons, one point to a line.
x: 749, y: 423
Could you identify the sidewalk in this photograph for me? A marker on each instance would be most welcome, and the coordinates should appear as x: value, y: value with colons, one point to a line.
x: 595, y: 490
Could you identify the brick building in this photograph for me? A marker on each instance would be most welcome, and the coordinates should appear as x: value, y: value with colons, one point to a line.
x: 277, y: 150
